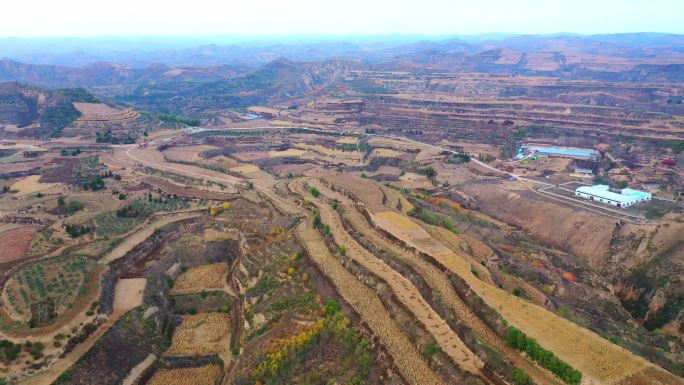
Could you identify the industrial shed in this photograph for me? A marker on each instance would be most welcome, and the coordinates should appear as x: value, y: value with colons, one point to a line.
x: 602, y: 193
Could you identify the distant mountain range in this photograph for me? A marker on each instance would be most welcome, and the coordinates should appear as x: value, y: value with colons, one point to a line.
x: 181, y: 77
x: 141, y: 52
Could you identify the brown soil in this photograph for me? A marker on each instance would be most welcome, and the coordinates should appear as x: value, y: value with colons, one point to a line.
x: 15, y: 243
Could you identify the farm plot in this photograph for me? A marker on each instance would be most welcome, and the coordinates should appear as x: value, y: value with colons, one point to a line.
x: 15, y: 242
x: 385, y: 153
x: 205, y: 277
x: 406, y: 229
x: 245, y: 169
x: 372, y: 195
x: 128, y: 293
x: 199, y: 334
x: 112, y: 224
x: 289, y: 153
x: 347, y: 140
x: 203, y: 375
x: 394, y: 144
x: 59, y: 281
x: 249, y: 156
x: 187, y: 153
x: 31, y: 185
x: 333, y: 153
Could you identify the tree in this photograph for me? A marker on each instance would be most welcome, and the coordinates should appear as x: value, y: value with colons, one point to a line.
x: 428, y: 172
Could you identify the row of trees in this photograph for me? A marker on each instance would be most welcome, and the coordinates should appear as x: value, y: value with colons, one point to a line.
x: 520, y: 341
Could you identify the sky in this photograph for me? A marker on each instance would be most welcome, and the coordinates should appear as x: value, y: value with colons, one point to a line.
x: 61, y: 18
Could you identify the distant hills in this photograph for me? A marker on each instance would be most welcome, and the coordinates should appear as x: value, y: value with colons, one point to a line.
x: 189, y: 75
x: 645, y: 57
x: 40, y: 112
x: 252, y: 52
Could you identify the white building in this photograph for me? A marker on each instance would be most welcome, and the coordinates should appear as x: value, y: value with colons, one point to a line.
x: 601, y: 193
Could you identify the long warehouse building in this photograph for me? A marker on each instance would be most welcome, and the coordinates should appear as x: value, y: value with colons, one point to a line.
x: 601, y: 193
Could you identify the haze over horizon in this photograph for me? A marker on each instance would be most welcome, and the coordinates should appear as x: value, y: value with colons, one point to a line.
x: 78, y: 18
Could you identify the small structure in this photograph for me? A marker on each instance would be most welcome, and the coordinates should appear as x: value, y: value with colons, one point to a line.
x: 602, y: 193
x: 42, y: 313
x: 585, y: 167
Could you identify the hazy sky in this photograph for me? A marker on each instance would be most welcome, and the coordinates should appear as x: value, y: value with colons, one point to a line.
x: 37, y: 18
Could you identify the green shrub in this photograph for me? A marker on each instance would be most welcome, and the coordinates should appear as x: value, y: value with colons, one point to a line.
x: 519, y: 377
x: 73, y: 206
x: 433, y: 348
x: 428, y: 217
x: 332, y: 307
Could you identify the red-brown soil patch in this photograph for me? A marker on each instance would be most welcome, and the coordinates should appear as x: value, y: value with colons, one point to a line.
x: 16, y: 242
x: 63, y: 173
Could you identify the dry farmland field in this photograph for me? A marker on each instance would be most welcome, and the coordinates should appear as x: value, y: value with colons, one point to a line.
x: 201, y: 334
x: 31, y: 185
x: 203, y: 375
x: 16, y: 242
x: 204, y: 277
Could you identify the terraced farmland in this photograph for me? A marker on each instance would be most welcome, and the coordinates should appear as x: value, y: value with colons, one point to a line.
x: 401, y: 286
x: 594, y: 356
x: 363, y: 300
